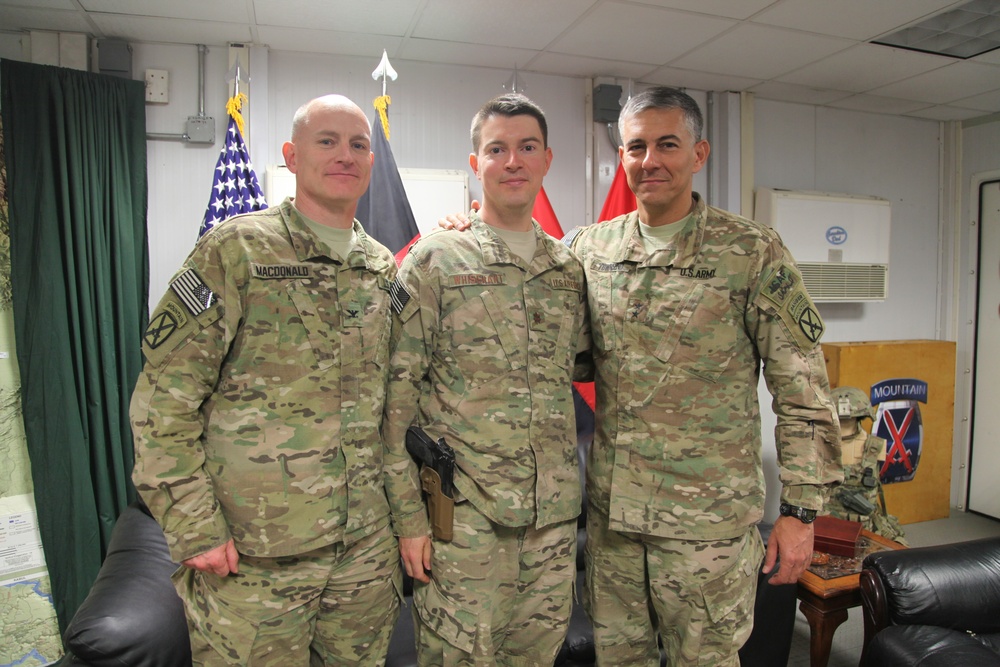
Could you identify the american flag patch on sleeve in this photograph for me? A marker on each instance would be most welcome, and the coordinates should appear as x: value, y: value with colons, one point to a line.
x: 192, y: 292
x: 399, y: 296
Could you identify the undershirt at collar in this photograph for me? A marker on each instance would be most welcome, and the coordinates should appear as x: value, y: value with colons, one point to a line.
x: 341, y: 241
x: 661, y: 236
x: 521, y: 244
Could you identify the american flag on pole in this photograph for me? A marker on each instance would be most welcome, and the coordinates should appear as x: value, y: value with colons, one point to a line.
x: 235, y: 188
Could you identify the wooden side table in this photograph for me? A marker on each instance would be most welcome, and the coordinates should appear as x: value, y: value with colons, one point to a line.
x: 826, y: 592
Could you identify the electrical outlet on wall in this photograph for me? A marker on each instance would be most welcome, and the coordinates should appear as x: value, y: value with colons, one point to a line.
x: 156, y: 86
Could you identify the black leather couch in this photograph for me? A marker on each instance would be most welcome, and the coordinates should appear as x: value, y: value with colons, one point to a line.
x: 132, y: 616
x: 932, y: 606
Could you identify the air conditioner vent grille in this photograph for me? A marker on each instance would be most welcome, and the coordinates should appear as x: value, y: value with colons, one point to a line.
x: 845, y: 282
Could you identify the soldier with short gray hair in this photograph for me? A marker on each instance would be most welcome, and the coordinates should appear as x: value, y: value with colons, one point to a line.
x: 256, y: 419
x: 689, y: 304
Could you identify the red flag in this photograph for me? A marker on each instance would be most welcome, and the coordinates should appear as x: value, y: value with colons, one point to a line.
x: 620, y: 199
x: 405, y: 249
x: 546, y: 216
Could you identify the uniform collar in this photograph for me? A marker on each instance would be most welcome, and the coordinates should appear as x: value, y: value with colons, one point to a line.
x: 495, y: 251
x: 683, y: 247
x: 308, y: 246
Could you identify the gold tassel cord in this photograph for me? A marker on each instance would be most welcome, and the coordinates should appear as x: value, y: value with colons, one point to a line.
x: 233, y: 107
x: 381, y: 105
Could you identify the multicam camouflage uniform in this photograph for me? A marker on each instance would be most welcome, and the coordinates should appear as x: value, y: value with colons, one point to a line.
x: 257, y: 418
x: 482, y: 355
x: 860, y: 497
x: 679, y: 337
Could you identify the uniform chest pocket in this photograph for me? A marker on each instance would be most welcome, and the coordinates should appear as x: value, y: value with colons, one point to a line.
x: 484, y: 346
x: 604, y: 298
x: 282, y: 338
x: 701, y: 339
x: 320, y: 320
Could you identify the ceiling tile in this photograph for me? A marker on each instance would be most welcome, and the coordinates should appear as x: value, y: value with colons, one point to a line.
x: 985, y: 102
x: 945, y: 84
x: 685, y: 78
x: 641, y: 34
x: 734, y: 9
x: 865, y: 66
x: 149, y: 29
x: 435, y: 51
x: 990, y: 57
x: 759, y: 52
x: 855, y: 19
x: 944, y: 112
x: 385, y: 17
x: 38, y: 4
x: 566, y: 65
x: 787, y: 92
x: 227, y: 11
x: 329, y: 41
x: 878, y: 104
x: 52, y: 20
x: 527, y: 24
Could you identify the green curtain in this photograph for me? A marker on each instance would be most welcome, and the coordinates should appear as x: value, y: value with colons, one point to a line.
x: 76, y: 178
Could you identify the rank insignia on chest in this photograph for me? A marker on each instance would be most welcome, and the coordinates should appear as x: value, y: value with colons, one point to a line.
x: 352, y: 314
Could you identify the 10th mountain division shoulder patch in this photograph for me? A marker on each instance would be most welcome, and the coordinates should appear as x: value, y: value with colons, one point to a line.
x: 785, y: 290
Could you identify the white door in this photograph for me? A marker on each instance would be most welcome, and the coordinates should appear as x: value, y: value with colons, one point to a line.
x: 984, y: 492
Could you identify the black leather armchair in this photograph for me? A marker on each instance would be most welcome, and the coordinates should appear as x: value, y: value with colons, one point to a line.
x: 932, y: 606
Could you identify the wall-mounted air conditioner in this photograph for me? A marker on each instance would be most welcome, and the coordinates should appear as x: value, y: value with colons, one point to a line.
x: 840, y: 242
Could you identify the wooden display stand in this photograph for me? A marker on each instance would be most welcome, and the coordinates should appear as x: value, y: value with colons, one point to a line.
x: 862, y: 365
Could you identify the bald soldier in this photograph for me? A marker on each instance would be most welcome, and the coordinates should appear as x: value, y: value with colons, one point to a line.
x: 256, y: 418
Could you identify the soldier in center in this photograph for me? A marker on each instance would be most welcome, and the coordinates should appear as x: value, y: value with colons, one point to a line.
x: 486, y: 331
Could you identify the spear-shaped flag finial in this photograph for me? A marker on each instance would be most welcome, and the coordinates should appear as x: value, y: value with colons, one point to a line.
x: 384, y: 71
x: 235, y: 75
x: 514, y: 84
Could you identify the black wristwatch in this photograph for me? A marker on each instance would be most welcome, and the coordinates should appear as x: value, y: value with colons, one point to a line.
x: 800, y: 513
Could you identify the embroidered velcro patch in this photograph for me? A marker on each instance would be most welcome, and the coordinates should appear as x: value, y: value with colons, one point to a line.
x: 193, y: 292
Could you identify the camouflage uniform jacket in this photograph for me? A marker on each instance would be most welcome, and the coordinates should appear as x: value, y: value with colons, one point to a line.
x: 257, y: 414
x: 679, y: 337
x: 482, y: 354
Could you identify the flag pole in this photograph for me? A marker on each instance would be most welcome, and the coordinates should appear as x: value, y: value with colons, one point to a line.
x: 384, y: 71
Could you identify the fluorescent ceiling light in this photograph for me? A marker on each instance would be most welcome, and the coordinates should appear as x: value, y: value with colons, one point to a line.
x: 963, y: 32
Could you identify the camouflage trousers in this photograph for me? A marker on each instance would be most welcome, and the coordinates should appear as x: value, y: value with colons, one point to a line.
x: 497, y: 596
x: 335, y: 605
x: 698, y: 596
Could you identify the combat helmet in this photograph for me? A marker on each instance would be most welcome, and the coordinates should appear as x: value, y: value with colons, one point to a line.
x: 852, y: 402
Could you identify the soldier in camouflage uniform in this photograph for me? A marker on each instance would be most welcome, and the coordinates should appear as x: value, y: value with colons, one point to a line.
x: 687, y: 302
x: 486, y: 327
x: 256, y: 419
x: 860, y: 497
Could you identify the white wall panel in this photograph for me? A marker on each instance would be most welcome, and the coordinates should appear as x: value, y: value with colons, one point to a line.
x: 179, y: 173
x: 831, y: 150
